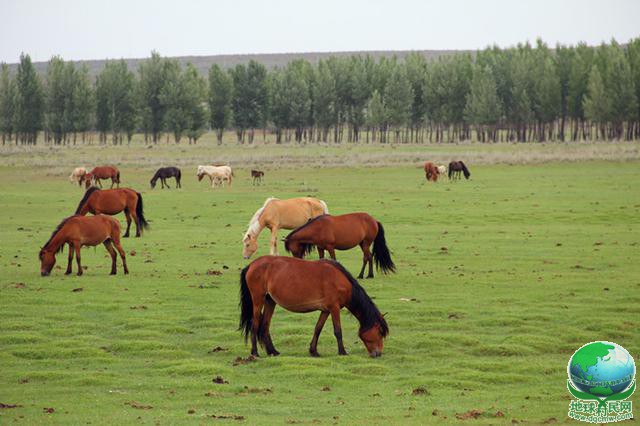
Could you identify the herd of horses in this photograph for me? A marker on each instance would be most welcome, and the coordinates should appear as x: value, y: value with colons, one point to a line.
x: 296, y: 284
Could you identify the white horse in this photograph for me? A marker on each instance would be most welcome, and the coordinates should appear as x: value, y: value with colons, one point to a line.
x: 77, y: 175
x: 442, y: 170
x: 217, y: 174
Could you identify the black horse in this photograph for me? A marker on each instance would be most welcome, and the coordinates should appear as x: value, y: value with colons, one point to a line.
x: 455, y: 167
x: 166, y: 172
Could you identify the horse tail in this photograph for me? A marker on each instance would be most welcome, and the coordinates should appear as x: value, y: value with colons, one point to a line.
x: 179, y: 174
x: 87, y: 194
x: 381, y: 254
x: 246, y: 305
x: 325, y: 209
x: 466, y: 171
x: 140, y: 213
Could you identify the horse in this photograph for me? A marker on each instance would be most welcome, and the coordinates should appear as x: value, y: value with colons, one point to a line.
x: 442, y: 170
x: 112, y: 202
x: 105, y: 172
x: 430, y: 171
x: 455, y: 167
x: 305, y: 286
x: 78, y: 231
x: 278, y: 214
x: 257, y: 176
x: 77, y: 175
x: 343, y: 232
x: 166, y: 172
x: 217, y: 174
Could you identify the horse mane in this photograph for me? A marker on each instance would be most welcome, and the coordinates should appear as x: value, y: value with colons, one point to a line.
x: 53, y: 234
x: 254, y: 224
x: 309, y: 222
x: 85, y: 198
x: 361, y: 303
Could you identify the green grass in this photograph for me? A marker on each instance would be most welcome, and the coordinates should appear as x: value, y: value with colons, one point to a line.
x: 506, y: 275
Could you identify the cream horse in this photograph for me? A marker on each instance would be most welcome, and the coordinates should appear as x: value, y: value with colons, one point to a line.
x: 77, y: 175
x: 278, y: 214
x: 442, y: 170
x: 217, y: 174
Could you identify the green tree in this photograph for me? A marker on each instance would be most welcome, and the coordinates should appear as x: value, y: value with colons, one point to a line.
x: 220, y: 100
x: 7, y: 99
x: 483, y: 107
x: 173, y: 97
x: 153, y: 78
x: 596, y: 103
x: 376, y: 117
x: 59, y: 97
x: 398, y: 97
x: 196, y: 94
x: 29, y: 102
x: 116, y: 102
x: 250, y: 103
x: 83, y: 103
x: 324, y: 95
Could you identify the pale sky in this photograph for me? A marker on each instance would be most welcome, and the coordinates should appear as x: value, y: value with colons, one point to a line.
x: 88, y: 29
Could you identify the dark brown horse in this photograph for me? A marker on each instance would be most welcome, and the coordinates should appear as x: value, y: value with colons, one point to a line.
x: 431, y: 171
x: 305, y: 286
x: 457, y: 167
x: 112, y: 202
x: 257, y: 176
x: 103, y: 172
x: 343, y: 233
x: 78, y: 231
x: 163, y: 174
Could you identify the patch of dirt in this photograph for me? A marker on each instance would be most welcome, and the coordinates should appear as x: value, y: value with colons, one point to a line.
x: 549, y: 421
x: 226, y: 416
x: 420, y: 390
x: 471, y: 414
x: 247, y: 390
x: 405, y: 299
x: 220, y: 380
x: 139, y: 307
x: 5, y: 406
x: 76, y: 290
x: 23, y: 381
x: 325, y: 389
x: 435, y: 412
x: 218, y: 349
x: 138, y: 406
x: 48, y: 410
x: 132, y: 253
x: 212, y: 394
x: 214, y: 272
x: 242, y: 361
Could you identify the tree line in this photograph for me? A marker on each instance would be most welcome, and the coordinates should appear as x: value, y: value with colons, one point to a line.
x: 526, y: 93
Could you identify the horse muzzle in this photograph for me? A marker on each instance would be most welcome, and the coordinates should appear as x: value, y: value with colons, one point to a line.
x: 44, y: 273
x: 375, y: 354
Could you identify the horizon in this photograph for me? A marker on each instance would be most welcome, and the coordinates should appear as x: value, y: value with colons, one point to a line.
x: 285, y: 27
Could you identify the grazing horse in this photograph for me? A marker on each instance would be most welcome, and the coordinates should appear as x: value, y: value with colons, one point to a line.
x: 217, y: 174
x: 278, y: 214
x: 305, y: 286
x: 442, y: 170
x: 343, y: 232
x: 257, y: 176
x: 166, y: 172
x: 430, y: 171
x: 77, y: 175
x: 456, y: 167
x: 112, y: 202
x: 78, y: 231
x: 104, y: 172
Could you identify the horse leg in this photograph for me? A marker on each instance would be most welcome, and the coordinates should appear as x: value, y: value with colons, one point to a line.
x: 166, y: 183
x: 313, y: 347
x: 274, y: 242
x: 255, y: 324
x: 77, y: 249
x: 320, y: 253
x: 368, y: 257
x: 116, y: 242
x: 70, y: 259
x: 269, y: 307
x: 332, y: 252
x: 112, y: 253
x: 99, y: 182
x: 337, y: 329
x: 178, y: 184
x: 113, y: 182
x: 127, y: 213
x: 365, y: 259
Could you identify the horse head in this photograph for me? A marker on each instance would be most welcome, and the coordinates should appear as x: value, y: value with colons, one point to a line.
x: 47, y: 261
x: 249, y: 245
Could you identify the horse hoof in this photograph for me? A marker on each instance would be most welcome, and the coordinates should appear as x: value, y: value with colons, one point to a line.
x: 68, y: 273
x: 314, y: 354
x: 343, y: 353
x: 126, y: 272
x: 113, y: 273
x: 274, y: 353
x: 360, y: 277
x: 125, y: 236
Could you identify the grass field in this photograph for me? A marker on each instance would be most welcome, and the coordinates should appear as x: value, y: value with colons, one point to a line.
x: 500, y: 279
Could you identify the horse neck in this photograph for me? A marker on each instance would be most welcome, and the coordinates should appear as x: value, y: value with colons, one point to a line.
x: 56, y: 241
x: 255, y: 229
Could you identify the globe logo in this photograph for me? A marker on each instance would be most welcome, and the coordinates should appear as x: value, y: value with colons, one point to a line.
x: 601, y: 370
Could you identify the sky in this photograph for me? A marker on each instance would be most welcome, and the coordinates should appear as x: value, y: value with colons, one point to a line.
x: 88, y: 29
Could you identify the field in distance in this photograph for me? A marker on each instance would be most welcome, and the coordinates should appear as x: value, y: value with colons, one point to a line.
x: 500, y: 279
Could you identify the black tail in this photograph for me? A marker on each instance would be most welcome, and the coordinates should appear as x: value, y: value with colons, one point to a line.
x: 381, y: 254
x: 86, y: 197
x: 140, y: 213
x: 246, y: 305
x: 466, y: 171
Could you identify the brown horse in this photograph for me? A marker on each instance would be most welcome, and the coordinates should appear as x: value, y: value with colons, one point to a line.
x: 431, y: 171
x: 305, y: 286
x: 257, y: 176
x: 78, y: 231
x: 103, y: 172
x: 112, y: 202
x: 455, y: 167
x: 343, y: 233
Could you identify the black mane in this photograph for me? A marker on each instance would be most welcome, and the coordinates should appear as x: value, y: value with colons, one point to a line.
x: 361, y: 304
x: 307, y: 248
x: 86, y: 197
x: 309, y: 222
x: 53, y: 234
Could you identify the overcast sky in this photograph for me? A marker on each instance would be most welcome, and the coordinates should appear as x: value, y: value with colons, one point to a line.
x: 87, y: 29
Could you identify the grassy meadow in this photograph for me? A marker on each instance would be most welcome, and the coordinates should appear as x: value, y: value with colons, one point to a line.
x: 500, y: 279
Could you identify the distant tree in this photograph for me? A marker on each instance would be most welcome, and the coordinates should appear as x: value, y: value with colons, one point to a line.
x: 324, y: 95
x: 376, y: 117
x: 596, y: 103
x: 173, y: 97
x: 196, y: 94
x: 564, y: 58
x: 7, y: 99
x: 416, y: 67
x: 578, y: 80
x: 250, y: 104
x: 483, y: 108
x: 83, y: 103
x: 220, y: 100
x: 633, y: 55
x: 59, y: 97
x: 29, y: 102
x: 622, y: 93
x: 116, y: 102
x: 153, y: 78
x: 398, y: 98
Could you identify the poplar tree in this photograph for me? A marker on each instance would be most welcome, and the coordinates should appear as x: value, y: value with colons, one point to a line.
x: 220, y: 100
x: 29, y: 102
x: 7, y: 100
